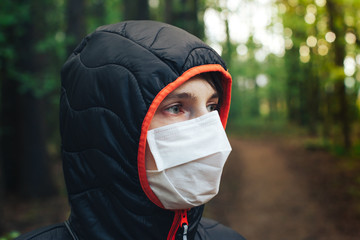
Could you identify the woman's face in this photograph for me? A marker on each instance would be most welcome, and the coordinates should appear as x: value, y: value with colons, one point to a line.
x: 192, y: 99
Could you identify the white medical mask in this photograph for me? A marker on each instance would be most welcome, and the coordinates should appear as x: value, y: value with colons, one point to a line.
x: 190, y: 157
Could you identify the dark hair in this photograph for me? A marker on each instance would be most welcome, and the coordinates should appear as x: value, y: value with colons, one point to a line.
x: 214, y: 79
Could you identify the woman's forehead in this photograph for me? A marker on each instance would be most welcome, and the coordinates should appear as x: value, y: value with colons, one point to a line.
x: 193, y: 87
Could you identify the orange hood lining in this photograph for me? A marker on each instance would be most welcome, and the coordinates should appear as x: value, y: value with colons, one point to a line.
x: 224, y: 112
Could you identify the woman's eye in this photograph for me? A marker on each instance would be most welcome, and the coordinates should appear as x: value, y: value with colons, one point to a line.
x: 174, y: 109
x: 212, y: 107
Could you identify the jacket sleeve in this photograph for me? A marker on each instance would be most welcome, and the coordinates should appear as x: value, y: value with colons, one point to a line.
x: 211, y: 230
x: 53, y: 232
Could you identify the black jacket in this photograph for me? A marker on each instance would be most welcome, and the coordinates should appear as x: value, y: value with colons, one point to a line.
x: 206, y: 230
x: 108, y: 89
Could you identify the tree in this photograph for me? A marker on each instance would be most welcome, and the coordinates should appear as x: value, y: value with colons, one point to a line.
x: 25, y: 162
x: 336, y: 24
x: 315, y: 63
x: 184, y: 14
x: 76, y: 23
x: 136, y: 10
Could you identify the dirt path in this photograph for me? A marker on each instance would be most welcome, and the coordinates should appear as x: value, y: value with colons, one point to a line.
x: 263, y: 198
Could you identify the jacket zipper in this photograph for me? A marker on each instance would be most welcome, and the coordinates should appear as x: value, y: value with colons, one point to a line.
x: 180, y: 221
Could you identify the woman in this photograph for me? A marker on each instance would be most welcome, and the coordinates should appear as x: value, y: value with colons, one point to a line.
x: 143, y: 147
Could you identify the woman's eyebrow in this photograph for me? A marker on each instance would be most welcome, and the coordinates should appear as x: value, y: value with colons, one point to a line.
x: 181, y: 95
x: 188, y: 95
x: 215, y: 95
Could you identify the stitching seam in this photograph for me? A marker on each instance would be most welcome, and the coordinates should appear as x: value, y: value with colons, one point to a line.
x: 109, y: 64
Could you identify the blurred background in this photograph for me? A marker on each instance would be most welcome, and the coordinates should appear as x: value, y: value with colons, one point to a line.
x: 294, y: 120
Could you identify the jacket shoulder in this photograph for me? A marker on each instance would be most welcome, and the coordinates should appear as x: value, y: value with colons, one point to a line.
x: 211, y: 230
x: 53, y: 232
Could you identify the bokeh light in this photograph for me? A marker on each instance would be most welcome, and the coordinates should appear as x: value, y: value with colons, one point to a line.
x: 311, y: 8
x: 310, y: 18
x: 349, y: 82
x: 304, y: 50
x: 357, y: 58
x: 350, y: 38
x: 242, y: 50
x: 320, y: 3
x: 293, y: 3
x: 330, y: 37
x: 260, y: 55
x: 322, y: 24
x: 323, y: 49
x: 262, y: 80
x: 288, y: 32
x: 282, y: 8
x: 349, y: 66
x: 349, y: 21
x: 311, y: 41
x: 288, y: 43
x: 305, y: 59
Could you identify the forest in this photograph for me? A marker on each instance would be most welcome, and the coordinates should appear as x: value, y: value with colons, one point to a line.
x: 295, y: 66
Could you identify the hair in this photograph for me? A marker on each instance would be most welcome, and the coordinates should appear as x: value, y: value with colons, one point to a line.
x: 214, y: 79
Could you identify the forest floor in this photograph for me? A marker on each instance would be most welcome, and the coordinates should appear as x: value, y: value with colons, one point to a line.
x: 272, y: 188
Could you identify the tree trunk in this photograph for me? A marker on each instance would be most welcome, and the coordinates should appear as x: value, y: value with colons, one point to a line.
x: 2, y: 172
x: 228, y: 48
x: 26, y: 169
x: 336, y: 16
x: 99, y: 12
x: 10, y: 134
x: 76, y: 23
x: 293, y: 85
x: 136, y: 10
x: 310, y: 98
x: 184, y: 14
x: 35, y: 168
x: 169, y: 13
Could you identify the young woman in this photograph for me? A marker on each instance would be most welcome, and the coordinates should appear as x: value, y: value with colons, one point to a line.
x: 142, y: 116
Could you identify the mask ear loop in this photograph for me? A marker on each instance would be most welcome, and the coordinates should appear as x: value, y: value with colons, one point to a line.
x: 226, y: 81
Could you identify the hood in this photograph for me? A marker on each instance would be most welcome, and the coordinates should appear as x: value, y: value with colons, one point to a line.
x: 110, y: 88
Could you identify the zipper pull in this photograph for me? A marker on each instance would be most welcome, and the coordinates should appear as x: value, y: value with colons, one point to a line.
x: 184, y: 223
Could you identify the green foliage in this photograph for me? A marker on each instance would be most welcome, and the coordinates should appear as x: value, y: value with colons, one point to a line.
x: 262, y: 127
x: 11, y: 16
x: 307, y: 83
x: 317, y: 144
x: 40, y: 85
x: 14, y: 26
x: 10, y: 235
x: 356, y: 150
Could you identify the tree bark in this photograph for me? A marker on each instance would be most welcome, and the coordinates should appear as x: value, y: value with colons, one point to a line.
x: 336, y: 17
x: 136, y: 10
x: 169, y: 13
x: 10, y: 135
x: 35, y: 167
x: 293, y: 85
x: 26, y: 167
x: 2, y: 172
x: 184, y: 14
x: 76, y: 22
x: 99, y: 12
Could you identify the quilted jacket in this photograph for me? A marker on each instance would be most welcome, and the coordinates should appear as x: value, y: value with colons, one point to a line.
x: 111, y: 86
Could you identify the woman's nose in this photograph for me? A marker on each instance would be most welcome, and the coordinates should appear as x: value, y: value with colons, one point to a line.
x: 198, y: 112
